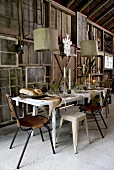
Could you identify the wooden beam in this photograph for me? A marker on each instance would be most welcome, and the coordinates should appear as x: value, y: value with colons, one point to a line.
x: 108, y: 20
x: 106, y: 11
x: 96, y: 25
x: 59, y: 62
x: 69, y: 3
x: 112, y: 28
x: 97, y: 8
x: 83, y: 5
x: 8, y: 31
x: 60, y: 7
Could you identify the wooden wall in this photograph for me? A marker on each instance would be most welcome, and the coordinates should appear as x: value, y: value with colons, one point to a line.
x: 18, y: 19
x: 62, y: 21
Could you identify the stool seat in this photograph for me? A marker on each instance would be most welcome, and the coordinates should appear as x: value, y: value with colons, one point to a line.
x: 74, y: 118
x: 77, y: 115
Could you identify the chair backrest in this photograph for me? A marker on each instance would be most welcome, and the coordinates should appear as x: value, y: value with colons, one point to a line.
x: 107, y: 98
x: 95, y: 100
x: 12, y: 109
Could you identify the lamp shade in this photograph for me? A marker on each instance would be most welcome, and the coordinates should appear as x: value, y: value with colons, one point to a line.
x: 45, y: 39
x: 89, y: 48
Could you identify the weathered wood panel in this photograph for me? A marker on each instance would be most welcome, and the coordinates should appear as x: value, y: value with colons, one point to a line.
x: 59, y: 26
x: 62, y: 21
x: 53, y: 18
x: 68, y: 23
x: 81, y: 28
x: 9, y: 17
x: 107, y: 43
x: 2, y: 7
x: 39, y: 17
x: 46, y: 58
x: 64, y: 25
x: 74, y: 30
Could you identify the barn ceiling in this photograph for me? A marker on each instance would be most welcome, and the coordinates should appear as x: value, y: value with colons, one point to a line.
x: 100, y: 12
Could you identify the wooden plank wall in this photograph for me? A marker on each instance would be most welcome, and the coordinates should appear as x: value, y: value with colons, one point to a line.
x: 9, y: 21
x: 18, y: 19
x: 61, y: 21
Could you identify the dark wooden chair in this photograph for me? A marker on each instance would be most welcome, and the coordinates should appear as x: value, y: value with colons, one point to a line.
x: 107, y: 101
x: 27, y: 124
x: 94, y: 109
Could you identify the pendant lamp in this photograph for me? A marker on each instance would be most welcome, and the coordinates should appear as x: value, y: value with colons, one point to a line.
x: 45, y: 39
x: 89, y: 48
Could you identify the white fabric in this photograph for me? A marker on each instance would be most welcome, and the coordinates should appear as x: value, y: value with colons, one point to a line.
x: 65, y: 99
x: 36, y: 102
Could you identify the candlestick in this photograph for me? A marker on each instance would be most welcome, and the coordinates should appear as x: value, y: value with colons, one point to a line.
x: 64, y: 72
x: 83, y: 70
x: 89, y: 81
x: 64, y: 78
x: 64, y: 84
x: 53, y: 70
x: 69, y: 78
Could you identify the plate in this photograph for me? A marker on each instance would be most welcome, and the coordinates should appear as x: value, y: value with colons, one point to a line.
x: 33, y: 97
x: 82, y: 91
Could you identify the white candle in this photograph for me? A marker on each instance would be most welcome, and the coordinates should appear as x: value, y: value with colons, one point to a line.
x: 69, y: 78
x: 53, y: 71
x: 64, y: 72
x: 83, y: 68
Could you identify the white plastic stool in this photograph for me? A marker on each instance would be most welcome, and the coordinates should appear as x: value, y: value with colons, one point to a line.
x: 74, y: 118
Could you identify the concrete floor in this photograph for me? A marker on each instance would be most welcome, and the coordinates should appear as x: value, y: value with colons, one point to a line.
x: 38, y: 156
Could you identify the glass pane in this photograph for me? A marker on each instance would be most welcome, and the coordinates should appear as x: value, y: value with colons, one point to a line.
x: 8, y: 59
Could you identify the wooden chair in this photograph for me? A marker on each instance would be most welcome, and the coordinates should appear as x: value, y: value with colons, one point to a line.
x: 74, y: 118
x: 107, y: 101
x: 94, y: 109
x: 27, y: 124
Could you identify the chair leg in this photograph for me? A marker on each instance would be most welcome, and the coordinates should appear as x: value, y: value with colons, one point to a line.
x: 13, y: 139
x: 103, y: 120
x: 86, y: 126
x: 58, y: 111
x: 106, y: 113
x: 41, y: 134
x: 107, y: 109
x: 61, y: 121
x: 97, y: 124
x: 50, y: 138
x: 24, y: 149
x: 75, y: 127
x: 70, y: 128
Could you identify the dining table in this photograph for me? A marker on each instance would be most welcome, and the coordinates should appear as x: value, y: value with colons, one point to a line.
x: 55, y: 101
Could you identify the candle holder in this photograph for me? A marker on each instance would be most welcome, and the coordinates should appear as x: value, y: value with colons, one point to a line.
x: 69, y: 79
x: 69, y: 91
x: 64, y: 84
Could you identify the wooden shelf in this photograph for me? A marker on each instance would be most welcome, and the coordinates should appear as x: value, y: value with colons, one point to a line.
x: 97, y: 74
